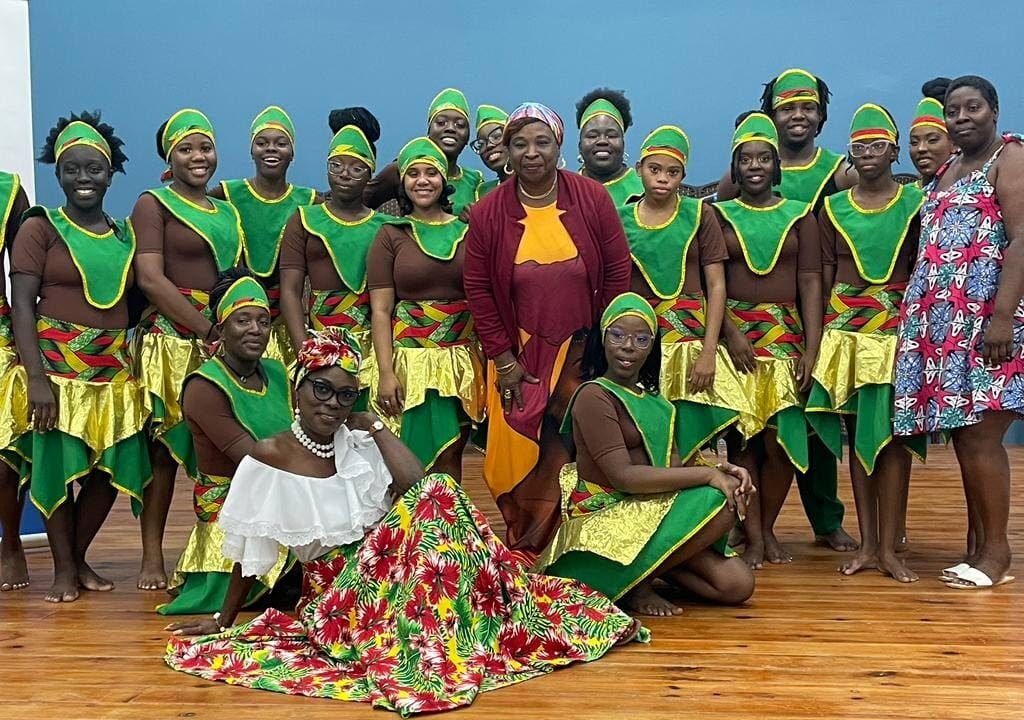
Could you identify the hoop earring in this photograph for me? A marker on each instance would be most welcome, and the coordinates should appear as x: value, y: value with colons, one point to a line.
x: 579, y: 158
x: 625, y: 157
x: 508, y: 170
x: 561, y: 163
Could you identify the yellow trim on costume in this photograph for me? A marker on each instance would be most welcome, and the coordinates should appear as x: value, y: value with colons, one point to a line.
x: 212, y: 210
x: 348, y: 150
x: 102, y: 145
x: 782, y: 238
x: 86, y: 143
x: 808, y: 166
x: 183, y: 135
x: 455, y: 244
x: 619, y: 179
x: 6, y: 216
x: 255, y: 194
x: 81, y: 271
x: 330, y: 251
x: 599, y: 113
x: 193, y: 228
x: 630, y: 313
x: 686, y: 246
x: 828, y: 176
x: 234, y: 380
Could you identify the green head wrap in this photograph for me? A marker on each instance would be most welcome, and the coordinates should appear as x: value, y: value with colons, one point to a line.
x: 871, y: 122
x: 756, y: 126
x: 486, y: 114
x: 602, y: 107
x: 448, y: 99
x: 244, y: 292
x: 182, y: 124
x: 667, y: 140
x: 930, y: 114
x: 273, y: 117
x: 351, y: 142
x: 80, y: 133
x: 629, y: 304
x: 422, y: 150
x: 795, y: 85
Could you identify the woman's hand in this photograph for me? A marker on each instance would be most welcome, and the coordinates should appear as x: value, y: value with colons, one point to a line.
x: 390, y: 395
x: 746, y: 490
x: 209, y: 626
x: 42, y: 404
x: 361, y: 421
x: 741, y: 352
x: 734, y: 482
x: 997, y: 346
x: 804, y: 371
x: 509, y: 387
x: 702, y: 375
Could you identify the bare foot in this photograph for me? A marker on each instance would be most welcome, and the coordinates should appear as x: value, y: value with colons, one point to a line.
x: 775, y: 553
x: 644, y: 601
x: 64, y: 588
x: 13, y: 570
x: 753, y: 556
x: 839, y: 540
x: 896, y: 569
x: 861, y: 561
x: 152, y: 575
x: 90, y: 580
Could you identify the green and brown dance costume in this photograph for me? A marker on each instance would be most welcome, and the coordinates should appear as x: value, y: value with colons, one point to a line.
x: 612, y: 540
x: 628, y: 184
x: 202, y: 574
x: 263, y: 221
x: 13, y: 392
x: 467, y: 183
x: 101, y: 412
x: 854, y: 371
x: 436, y: 355
x: 165, y: 352
x: 489, y: 115
x: 662, y: 254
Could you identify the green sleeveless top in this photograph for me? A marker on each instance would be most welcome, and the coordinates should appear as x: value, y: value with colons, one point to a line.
x: 875, y: 236
x: 761, y: 232
x: 263, y: 220
x: 805, y: 183
x: 347, y: 242
x: 10, y: 183
x: 653, y: 415
x: 624, y: 187
x: 486, y: 188
x: 437, y: 240
x: 660, y: 251
x: 102, y: 260
x: 466, y: 185
x: 263, y: 412
x: 220, y: 228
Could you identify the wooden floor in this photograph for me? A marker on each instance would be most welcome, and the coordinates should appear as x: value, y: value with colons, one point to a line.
x: 810, y: 644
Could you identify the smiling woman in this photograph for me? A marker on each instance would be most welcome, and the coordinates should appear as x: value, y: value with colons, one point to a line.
x: 603, y: 116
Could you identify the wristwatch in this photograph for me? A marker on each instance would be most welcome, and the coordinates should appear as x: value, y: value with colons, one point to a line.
x: 376, y: 427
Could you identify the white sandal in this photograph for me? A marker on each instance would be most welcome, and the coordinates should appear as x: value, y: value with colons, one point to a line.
x: 974, y: 579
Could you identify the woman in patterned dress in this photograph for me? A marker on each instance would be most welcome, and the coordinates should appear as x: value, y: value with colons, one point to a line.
x: 415, y: 607
x: 960, y: 359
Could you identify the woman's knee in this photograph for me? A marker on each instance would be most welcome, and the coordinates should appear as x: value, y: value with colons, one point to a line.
x: 737, y: 585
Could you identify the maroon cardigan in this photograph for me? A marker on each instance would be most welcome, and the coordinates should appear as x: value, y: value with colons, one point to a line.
x: 493, y: 239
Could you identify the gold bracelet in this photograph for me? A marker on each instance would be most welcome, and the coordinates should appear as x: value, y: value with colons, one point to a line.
x: 506, y: 369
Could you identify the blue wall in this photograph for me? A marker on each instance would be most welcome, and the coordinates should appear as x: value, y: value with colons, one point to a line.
x: 696, y: 65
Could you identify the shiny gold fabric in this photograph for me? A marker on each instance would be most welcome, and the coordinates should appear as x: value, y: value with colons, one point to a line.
x: 618, y: 532
x: 759, y: 395
x: 280, y: 345
x: 13, y: 398
x: 677, y: 361
x: 454, y: 371
x: 203, y: 554
x: 162, y: 362
x: 847, y: 361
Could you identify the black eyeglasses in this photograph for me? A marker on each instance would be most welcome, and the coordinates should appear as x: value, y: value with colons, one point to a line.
x: 493, y: 138
x: 324, y: 391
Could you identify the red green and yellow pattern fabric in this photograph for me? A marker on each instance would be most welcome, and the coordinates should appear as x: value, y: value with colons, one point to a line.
x: 871, y: 122
x: 263, y: 220
x: 431, y: 324
x: 773, y: 329
x: 426, y: 612
x: 929, y: 114
x: 83, y: 353
x: 339, y: 308
x: 681, y: 318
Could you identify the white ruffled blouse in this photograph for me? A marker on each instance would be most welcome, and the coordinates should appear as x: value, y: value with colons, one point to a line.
x: 267, y: 507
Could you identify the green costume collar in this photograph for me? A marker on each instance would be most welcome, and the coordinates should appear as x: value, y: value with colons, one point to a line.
x: 263, y: 220
x: 10, y: 183
x: 659, y: 252
x: 347, y: 242
x: 220, y: 228
x: 875, y: 237
x: 806, y: 182
x: 625, y: 186
x: 761, y: 232
x: 437, y: 240
x: 262, y: 413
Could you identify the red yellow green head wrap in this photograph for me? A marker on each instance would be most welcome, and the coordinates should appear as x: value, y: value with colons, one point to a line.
x: 488, y: 114
x: 929, y: 114
x: 80, y: 133
x: 602, y: 107
x: 667, y: 140
x: 755, y: 126
x: 871, y: 122
x: 629, y: 304
x: 272, y: 117
x: 332, y: 346
x: 794, y: 85
x: 533, y: 111
x: 351, y: 142
x: 182, y: 124
x: 244, y: 292
x: 448, y: 99
x: 422, y: 150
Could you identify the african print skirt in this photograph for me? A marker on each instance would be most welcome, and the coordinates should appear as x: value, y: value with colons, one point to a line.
x: 165, y: 353
x: 854, y: 371
x: 615, y: 548
x: 343, y: 308
x: 438, y: 363
x: 101, y: 417
x: 426, y: 612
x: 699, y: 416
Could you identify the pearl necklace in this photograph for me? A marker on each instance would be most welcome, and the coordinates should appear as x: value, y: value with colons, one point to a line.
x: 321, y: 450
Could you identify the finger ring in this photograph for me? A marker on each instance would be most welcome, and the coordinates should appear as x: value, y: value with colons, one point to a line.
x: 507, y: 394
x: 387, y: 402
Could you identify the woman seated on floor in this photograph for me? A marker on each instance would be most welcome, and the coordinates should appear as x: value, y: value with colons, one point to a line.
x: 631, y: 512
x: 413, y: 604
